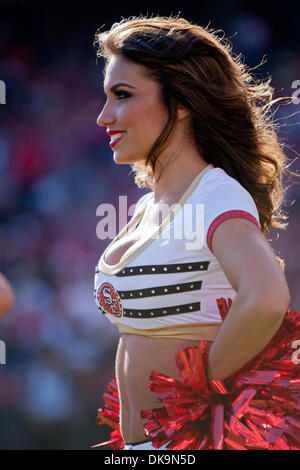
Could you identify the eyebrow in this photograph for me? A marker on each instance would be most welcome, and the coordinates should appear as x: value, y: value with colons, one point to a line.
x: 114, y: 87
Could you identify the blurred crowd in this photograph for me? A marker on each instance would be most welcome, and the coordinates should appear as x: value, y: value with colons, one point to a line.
x: 56, y: 168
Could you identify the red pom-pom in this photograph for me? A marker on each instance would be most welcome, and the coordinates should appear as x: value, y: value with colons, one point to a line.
x: 110, y: 416
x: 257, y: 407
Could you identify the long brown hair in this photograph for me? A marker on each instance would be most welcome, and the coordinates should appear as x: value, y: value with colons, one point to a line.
x: 230, y: 110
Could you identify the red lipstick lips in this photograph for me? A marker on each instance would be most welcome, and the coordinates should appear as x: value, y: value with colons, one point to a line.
x: 117, y: 139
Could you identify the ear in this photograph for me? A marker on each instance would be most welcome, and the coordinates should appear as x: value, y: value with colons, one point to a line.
x: 182, y: 112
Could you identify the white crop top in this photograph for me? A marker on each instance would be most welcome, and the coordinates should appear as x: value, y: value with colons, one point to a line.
x: 173, y: 279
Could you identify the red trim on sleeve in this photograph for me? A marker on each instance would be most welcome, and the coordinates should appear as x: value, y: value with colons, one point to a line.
x: 228, y: 215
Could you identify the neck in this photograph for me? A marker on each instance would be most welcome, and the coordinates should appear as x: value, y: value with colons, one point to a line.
x: 176, y: 175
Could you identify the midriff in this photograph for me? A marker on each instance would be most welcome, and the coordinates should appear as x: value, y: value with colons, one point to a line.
x: 136, y: 357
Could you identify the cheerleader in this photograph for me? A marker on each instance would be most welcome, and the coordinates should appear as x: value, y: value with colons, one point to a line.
x: 194, y: 126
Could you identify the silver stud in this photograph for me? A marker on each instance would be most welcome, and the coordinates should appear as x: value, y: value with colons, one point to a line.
x: 130, y: 313
x: 151, y: 313
x: 178, y: 268
x: 201, y: 266
x: 131, y: 270
x: 141, y: 270
x: 141, y: 293
x: 122, y: 295
x: 191, y: 307
x: 178, y: 288
x: 191, y: 286
x: 190, y: 267
x: 140, y: 314
x: 131, y: 294
x: 153, y: 269
x: 153, y: 291
x: 177, y: 309
x: 165, y: 269
x: 123, y: 271
x: 166, y: 290
x: 164, y: 311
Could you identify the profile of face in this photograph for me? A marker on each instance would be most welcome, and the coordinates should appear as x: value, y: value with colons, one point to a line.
x: 134, y: 107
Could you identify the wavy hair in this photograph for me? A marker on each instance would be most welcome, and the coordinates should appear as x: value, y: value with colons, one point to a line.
x: 231, y: 119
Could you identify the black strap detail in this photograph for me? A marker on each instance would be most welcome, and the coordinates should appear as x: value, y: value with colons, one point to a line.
x: 161, y: 269
x: 161, y: 312
x: 164, y: 269
x: 160, y: 290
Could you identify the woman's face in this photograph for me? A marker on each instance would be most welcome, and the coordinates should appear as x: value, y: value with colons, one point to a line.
x: 133, y: 108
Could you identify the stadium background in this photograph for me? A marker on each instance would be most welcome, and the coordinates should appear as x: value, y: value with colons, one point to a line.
x: 56, y: 168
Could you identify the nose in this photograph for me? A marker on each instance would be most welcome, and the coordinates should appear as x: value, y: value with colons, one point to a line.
x: 105, y: 118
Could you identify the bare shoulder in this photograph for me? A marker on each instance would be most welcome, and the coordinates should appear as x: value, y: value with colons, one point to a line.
x: 249, y: 262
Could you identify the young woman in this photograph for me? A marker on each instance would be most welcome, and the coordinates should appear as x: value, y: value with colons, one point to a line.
x: 194, y: 125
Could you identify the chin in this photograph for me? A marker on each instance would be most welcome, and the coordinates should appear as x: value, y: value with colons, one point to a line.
x: 125, y: 159
x: 122, y: 159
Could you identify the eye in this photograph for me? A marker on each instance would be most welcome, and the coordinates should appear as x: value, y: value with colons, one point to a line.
x: 121, y: 94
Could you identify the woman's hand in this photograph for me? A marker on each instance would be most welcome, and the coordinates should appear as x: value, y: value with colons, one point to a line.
x: 262, y: 296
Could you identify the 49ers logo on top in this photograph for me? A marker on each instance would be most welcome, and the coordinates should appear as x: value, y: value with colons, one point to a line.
x: 109, y: 300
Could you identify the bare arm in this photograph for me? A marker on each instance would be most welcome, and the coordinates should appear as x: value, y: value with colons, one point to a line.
x: 262, y: 296
x: 7, y: 297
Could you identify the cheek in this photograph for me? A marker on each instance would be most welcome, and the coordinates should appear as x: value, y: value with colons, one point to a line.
x: 144, y: 116
x: 127, y: 113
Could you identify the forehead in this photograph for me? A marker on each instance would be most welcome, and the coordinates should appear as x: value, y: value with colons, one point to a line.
x: 119, y: 69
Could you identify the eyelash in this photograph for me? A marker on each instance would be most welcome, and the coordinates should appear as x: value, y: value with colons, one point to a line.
x: 120, y: 93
